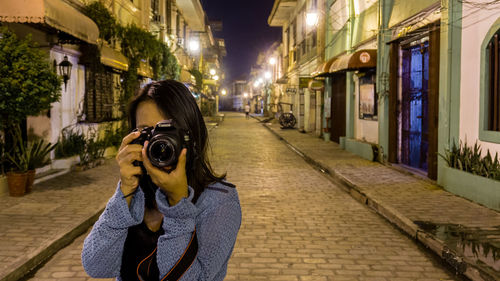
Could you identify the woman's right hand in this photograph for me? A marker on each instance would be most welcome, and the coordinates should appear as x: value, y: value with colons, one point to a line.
x: 127, y: 154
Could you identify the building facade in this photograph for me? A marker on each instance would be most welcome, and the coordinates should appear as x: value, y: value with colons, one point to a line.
x: 403, y: 80
x: 89, y: 100
x: 302, y: 49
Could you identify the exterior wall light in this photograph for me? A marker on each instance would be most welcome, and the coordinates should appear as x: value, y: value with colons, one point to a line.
x: 312, y: 18
x: 194, y: 45
x: 216, y: 77
x: 212, y: 72
x: 245, y: 95
x: 272, y: 61
x: 223, y: 92
x: 267, y: 75
x: 65, y: 70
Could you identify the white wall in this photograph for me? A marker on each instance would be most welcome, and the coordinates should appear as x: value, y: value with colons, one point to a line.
x: 476, y: 23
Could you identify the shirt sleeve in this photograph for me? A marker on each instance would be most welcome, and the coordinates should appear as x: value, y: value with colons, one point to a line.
x: 216, y: 230
x: 103, y: 247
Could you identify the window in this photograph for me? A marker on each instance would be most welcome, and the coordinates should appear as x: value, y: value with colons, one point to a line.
x: 493, y: 92
x: 155, y: 7
x: 99, y: 98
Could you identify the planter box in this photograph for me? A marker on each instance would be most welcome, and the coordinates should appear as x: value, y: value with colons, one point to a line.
x: 476, y: 188
x: 43, y: 169
x: 4, y: 188
x: 65, y: 163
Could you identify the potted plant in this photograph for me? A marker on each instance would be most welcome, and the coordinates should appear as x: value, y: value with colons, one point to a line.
x: 70, y: 145
x: 37, y: 153
x: 18, y: 159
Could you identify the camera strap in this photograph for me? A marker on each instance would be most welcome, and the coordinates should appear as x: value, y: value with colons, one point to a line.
x: 185, y: 262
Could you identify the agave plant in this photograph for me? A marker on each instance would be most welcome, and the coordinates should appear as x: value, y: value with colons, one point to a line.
x: 38, y: 151
x: 470, y: 159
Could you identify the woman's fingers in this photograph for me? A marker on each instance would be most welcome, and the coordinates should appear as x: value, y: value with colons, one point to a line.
x: 128, y: 138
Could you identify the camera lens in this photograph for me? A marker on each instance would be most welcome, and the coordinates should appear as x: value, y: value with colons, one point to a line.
x: 161, y: 153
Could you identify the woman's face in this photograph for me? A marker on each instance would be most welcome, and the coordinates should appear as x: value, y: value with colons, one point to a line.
x: 148, y: 115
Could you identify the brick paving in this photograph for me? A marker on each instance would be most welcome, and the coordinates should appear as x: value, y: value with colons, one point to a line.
x: 32, y: 225
x: 297, y: 224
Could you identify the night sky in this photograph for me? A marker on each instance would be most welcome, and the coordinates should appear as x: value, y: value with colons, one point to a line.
x: 245, y: 31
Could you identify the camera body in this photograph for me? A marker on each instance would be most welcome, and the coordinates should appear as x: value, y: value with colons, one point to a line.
x: 165, y: 143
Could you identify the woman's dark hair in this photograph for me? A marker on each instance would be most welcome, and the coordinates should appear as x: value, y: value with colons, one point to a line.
x: 175, y: 101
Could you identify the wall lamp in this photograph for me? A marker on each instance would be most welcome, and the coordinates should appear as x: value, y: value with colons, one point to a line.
x: 65, y: 70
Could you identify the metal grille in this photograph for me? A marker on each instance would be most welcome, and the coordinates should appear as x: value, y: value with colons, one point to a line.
x: 99, y: 98
x: 415, y: 117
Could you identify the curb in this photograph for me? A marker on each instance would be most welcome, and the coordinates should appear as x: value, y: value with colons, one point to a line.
x: 460, y: 264
x: 46, y: 251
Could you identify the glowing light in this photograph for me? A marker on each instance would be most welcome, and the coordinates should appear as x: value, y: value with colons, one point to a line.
x: 223, y: 92
x: 272, y: 61
x: 245, y: 95
x: 216, y: 77
x: 212, y: 71
x: 194, y: 45
x: 267, y: 75
x: 312, y: 18
x: 356, y: 7
x: 260, y: 80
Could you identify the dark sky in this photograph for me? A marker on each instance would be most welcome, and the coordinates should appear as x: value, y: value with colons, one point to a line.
x: 245, y: 31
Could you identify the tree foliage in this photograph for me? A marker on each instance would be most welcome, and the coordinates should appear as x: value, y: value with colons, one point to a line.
x: 28, y: 84
x: 198, y: 76
x: 108, y: 26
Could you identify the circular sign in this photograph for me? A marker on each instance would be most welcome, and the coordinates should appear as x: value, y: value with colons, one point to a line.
x: 364, y: 57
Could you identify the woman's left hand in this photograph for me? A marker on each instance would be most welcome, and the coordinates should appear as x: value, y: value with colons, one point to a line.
x: 173, y: 183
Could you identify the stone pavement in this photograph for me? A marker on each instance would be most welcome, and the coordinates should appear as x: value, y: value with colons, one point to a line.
x: 297, y: 224
x: 464, y: 234
x: 37, y: 225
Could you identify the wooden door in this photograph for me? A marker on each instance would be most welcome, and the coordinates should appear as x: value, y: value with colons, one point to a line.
x: 338, y: 107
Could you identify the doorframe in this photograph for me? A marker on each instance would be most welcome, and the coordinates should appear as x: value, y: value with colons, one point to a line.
x: 433, y: 97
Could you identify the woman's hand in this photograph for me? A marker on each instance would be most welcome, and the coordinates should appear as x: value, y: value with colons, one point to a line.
x: 127, y: 154
x: 173, y: 183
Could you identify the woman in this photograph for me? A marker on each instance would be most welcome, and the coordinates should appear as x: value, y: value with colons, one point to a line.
x: 173, y: 223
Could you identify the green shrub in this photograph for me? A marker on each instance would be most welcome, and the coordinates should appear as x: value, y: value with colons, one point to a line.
x: 93, y: 149
x: 71, y: 142
x: 28, y: 83
x: 469, y: 159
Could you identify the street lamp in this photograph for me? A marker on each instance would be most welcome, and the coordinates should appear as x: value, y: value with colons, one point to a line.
x: 216, y: 77
x: 245, y: 95
x: 267, y: 75
x: 212, y: 72
x: 312, y: 18
x: 223, y: 92
x: 65, y: 70
x: 194, y: 45
x: 272, y: 61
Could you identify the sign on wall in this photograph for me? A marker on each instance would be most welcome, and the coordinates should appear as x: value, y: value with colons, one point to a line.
x: 367, y: 98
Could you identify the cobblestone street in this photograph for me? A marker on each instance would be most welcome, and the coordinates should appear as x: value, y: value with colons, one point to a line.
x: 297, y: 225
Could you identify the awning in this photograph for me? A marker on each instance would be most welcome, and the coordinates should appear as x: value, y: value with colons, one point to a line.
x: 55, y: 13
x: 357, y: 60
x: 145, y: 70
x: 282, y: 81
x: 323, y: 69
x: 113, y: 58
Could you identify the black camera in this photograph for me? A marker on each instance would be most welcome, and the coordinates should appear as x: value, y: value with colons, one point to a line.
x: 165, y: 143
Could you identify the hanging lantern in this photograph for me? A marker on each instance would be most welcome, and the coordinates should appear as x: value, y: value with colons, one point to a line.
x: 65, y: 70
